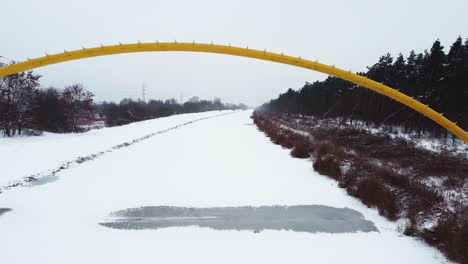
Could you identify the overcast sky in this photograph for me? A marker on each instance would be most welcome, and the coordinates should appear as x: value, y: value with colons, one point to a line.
x: 349, y: 34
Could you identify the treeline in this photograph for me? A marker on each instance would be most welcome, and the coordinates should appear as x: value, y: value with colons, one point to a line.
x: 26, y: 109
x: 433, y: 77
x: 128, y: 110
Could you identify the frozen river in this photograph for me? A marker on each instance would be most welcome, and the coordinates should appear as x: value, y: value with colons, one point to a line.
x: 211, y: 191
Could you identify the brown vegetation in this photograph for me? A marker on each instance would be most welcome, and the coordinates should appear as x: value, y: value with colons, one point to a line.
x: 391, y: 175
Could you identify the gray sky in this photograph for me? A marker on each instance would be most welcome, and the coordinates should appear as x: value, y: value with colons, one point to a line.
x: 349, y: 34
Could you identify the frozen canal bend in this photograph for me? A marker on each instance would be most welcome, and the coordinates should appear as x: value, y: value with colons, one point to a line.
x: 215, y: 168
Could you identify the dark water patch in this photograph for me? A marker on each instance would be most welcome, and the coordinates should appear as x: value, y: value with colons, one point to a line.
x: 300, y: 218
x: 4, y: 210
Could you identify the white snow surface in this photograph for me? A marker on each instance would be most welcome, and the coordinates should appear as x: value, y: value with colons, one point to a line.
x: 221, y: 161
x: 30, y: 155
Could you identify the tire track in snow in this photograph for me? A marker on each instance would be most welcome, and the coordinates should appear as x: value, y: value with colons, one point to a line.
x: 28, y: 180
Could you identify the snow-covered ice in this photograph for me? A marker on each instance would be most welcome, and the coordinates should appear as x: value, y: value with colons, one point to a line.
x: 217, y: 162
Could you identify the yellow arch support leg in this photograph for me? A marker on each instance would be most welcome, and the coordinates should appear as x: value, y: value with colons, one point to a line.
x: 243, y: 52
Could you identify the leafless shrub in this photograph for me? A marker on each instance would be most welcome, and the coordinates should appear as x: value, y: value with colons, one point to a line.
x: 301, y: 151
x: 451, y: 234
x: 328, y: 159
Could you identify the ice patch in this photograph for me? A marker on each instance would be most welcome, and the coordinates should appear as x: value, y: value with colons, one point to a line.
x: 299, y: 218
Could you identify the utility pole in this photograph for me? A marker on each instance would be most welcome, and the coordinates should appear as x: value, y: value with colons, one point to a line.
x: 143, y: 92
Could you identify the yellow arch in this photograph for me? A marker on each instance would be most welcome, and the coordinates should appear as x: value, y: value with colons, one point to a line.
x: 243, y: 52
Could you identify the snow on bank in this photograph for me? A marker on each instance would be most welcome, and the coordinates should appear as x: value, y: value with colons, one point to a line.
x: 223, y: 161
x: 454, y: 146
x: 26, y: 156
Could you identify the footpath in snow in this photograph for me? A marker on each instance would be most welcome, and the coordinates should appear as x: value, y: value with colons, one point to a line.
x: 212, y: 168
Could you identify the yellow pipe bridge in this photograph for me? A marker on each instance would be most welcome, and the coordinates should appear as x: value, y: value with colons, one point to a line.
x: 243, y: 52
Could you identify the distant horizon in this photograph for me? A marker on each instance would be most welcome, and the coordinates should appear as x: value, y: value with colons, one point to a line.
x: 151, y: 98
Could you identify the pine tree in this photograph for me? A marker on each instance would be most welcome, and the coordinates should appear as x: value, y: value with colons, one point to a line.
x: 436, y: 79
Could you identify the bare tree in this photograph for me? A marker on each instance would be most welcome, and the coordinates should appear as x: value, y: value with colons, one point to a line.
x: 79, y: 106
x: 17, y: 92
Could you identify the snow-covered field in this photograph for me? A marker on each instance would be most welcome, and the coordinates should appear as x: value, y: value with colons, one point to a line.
x: 219, y: 161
